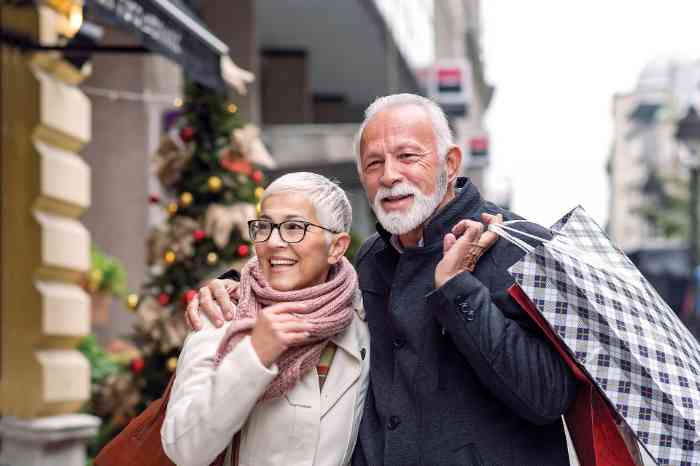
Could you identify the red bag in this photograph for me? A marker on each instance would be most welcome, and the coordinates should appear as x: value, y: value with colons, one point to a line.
x: 139, y: 443
x: 594, y: 426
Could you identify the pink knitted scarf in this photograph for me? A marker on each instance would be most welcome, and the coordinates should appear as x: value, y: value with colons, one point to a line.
x: 329, y: 307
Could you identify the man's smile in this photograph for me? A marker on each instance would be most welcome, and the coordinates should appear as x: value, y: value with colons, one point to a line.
x: 396, y: 202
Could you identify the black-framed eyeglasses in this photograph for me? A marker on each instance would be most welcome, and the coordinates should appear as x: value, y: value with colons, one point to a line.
x: 291, y: 231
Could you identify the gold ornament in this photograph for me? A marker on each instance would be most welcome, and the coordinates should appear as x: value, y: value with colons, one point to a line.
x: 132, y: 301
x: 258, y: 209
x: 94, y: 280
x: 169, y: 257
x: 96, y: 275
x: 186, y: 199
x: 172, y: 208
x: 214, y: 183
x: 212, y: 258
x: 259, y: 192
x: 232, y: 108
x: 171, y: 364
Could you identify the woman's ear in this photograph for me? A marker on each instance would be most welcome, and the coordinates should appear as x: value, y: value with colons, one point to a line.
x: 339, y: 246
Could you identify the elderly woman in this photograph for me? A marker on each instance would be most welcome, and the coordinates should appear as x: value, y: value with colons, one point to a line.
x: 284, y: 382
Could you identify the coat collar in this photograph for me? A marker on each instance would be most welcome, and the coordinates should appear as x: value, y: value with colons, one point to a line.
x: 346, y: 366
x: 349, y: 339
x: 466, y: 204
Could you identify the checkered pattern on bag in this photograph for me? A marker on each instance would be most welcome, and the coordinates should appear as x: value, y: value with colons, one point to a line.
x: 621, y: 332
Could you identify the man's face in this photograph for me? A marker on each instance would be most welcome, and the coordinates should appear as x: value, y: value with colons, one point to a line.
x: 402, y: 173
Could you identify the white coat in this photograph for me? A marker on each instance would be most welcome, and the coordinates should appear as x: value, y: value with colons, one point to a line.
x: 306, y: 427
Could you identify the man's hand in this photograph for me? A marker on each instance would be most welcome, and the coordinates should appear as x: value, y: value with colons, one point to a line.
x: 463, y: 246
x: 277, y: 328
x: 218, y: 299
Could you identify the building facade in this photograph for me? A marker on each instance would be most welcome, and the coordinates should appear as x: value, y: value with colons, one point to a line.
x: 647, y: 168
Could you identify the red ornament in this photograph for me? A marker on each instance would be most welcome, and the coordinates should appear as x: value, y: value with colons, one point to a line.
x: 189, y: 296
x: 257, y: 176
x: 137, y: 365
x: 199, y: 235
x: 186, y: 133
x: 154, y: 198
x: 243, y: 250
x: 164, y: 299
x: 241, y: 166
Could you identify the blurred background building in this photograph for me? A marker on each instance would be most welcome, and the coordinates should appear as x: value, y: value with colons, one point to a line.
x: 646, y: 168
x: 649, y: 173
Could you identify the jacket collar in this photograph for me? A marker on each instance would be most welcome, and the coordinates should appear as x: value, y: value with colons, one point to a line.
x: 466, y: 204
x: 348, y: 340
x: 346, y: 366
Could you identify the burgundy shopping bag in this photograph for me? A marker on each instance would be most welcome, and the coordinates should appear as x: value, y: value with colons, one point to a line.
x: 592, y: 423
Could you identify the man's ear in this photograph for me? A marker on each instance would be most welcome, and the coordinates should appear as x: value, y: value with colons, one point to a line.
x: 453, y: 161
x: 339, y: 246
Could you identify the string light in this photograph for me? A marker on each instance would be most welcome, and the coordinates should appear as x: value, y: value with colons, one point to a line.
x: 147, y: 97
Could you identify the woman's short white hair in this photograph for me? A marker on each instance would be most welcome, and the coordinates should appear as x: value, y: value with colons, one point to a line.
x: 441, y: 127
x: 330, y: 202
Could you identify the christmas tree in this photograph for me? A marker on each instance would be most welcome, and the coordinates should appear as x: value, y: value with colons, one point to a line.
x: 207, y: 164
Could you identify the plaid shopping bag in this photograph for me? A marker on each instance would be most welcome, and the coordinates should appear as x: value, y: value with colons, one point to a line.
x: 618, y: 330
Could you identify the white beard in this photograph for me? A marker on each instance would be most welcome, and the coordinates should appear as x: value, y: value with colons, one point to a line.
x: 398, y: 222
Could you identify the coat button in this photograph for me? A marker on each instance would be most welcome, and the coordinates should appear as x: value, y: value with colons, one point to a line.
x: 399, y: 343
x: 466, y: 310
x: 393, y: 423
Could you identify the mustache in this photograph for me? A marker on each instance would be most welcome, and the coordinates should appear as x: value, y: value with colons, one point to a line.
x: 402, y: 189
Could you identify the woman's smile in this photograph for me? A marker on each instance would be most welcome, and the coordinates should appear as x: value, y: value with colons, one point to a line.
x: 281, y: 264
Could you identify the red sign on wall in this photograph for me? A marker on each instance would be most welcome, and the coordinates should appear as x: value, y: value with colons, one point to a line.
x: 449, y: 84
x: 449, y: 80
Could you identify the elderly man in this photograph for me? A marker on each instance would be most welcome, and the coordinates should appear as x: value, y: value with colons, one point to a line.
x: 459, y: 375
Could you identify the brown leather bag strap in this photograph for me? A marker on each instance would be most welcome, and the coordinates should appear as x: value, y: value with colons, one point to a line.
x: 236, y: 450
x: 166, y: 394
x: 144, y: 428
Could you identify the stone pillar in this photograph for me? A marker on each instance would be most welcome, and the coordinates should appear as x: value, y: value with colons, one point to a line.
x: 125, y: 134
x: 44, y: 248
x: 49, y: 441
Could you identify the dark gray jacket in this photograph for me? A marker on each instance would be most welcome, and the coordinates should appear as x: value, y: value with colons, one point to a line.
x: 459, y: 375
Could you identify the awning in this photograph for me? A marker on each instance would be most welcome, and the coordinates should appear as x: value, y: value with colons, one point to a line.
x: 169, y: 28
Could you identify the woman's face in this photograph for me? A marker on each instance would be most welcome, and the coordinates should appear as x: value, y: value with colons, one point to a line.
x: 292, y: 266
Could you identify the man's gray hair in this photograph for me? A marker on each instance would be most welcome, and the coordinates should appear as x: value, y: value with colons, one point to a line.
x: 441, y: 128
x: 330, y: 202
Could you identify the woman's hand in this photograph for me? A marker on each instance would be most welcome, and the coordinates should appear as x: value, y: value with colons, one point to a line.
x: 277, y: 329
x: 463, y: 247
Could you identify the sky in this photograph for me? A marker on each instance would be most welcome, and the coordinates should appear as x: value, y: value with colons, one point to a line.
x: 556, y: 66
